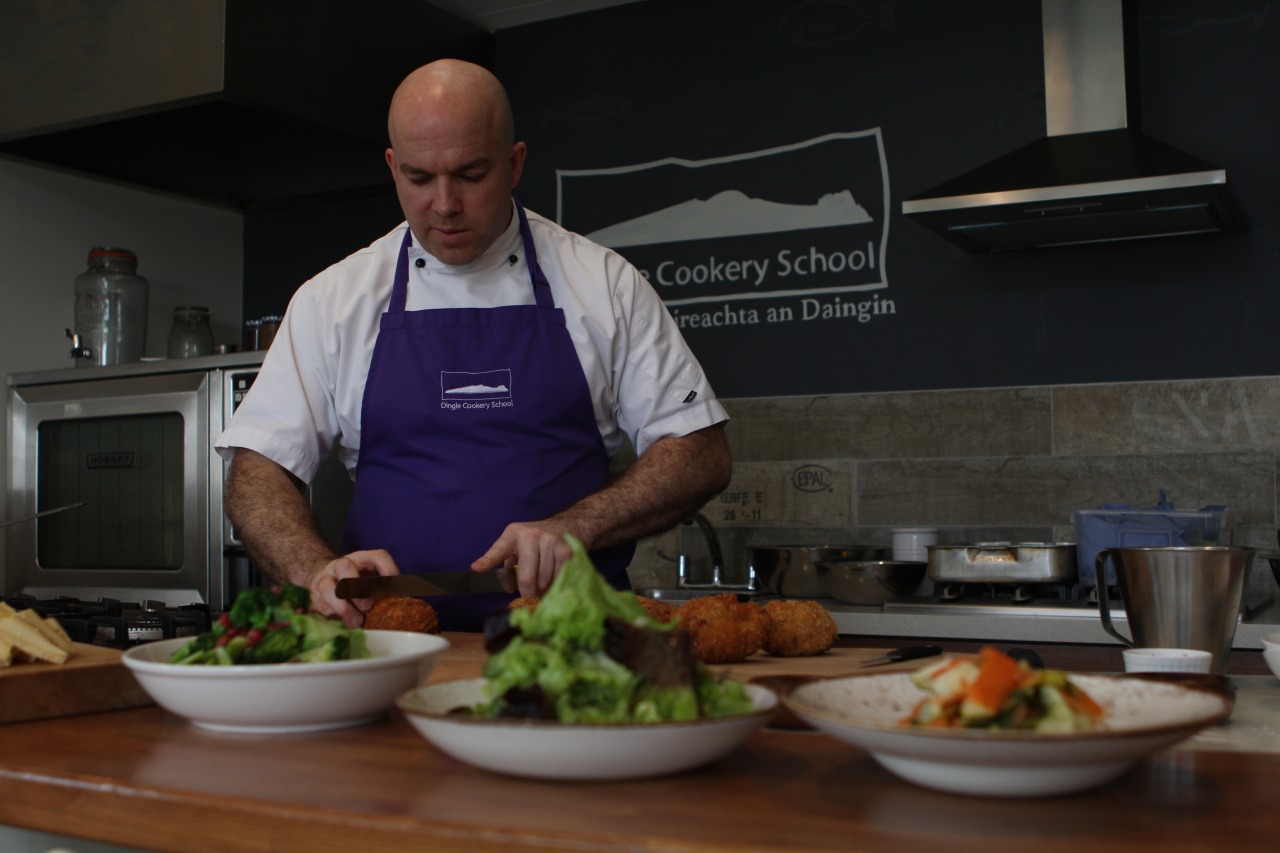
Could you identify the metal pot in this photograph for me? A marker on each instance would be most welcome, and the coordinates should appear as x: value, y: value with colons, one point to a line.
x: 792, y: 570
x: 1004, y: 562
x: 870, y: 582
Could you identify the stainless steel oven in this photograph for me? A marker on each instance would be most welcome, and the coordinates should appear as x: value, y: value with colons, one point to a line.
x: 134, y: 445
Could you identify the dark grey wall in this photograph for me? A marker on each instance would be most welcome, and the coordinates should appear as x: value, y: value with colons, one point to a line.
x: 951, y: 85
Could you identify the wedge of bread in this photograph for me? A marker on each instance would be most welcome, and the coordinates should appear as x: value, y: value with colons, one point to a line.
x: 49, y: 627
x: 54, y: 631
x: 32, y: 637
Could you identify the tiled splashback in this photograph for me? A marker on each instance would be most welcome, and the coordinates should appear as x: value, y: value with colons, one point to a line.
x: 982, y: 465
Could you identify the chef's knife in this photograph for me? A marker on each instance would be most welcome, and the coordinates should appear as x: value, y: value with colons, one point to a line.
x: 432, y: 583
x: 42, y: 514
x: 909, y: 653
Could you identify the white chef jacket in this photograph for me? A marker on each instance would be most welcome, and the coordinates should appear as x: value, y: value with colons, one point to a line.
x: 645, y: 382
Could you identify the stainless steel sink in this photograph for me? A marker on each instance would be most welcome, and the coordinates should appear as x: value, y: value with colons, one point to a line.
x: 689, y: 593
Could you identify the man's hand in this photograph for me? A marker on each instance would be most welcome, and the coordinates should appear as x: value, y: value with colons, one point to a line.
x: 323, y: 584
x: 536, y: 550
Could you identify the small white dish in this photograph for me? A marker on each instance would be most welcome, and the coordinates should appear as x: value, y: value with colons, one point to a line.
x: 541, y: 749
x: 280, y: 698
x: 1167, y: 660
x: 1142, y: 715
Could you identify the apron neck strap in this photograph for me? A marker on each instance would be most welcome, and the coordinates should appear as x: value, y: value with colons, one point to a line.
x: 541, y: 287
x: 400, y: 284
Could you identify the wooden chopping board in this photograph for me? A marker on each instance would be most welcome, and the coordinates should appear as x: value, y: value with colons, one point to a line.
x: 93, y: 679
x: 466, y: 658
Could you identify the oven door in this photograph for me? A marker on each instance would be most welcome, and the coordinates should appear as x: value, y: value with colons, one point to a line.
x: 135, y: 450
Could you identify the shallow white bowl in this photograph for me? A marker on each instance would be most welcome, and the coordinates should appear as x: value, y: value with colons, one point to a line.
x: 1143, y: 715
x: 548, y: 750
x: 279, y: 698
x: 1167, y: 660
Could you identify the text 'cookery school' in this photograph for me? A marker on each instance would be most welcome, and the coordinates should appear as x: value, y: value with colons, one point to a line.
x: 756, y: 271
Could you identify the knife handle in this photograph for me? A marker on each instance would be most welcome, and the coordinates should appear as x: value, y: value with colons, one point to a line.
x: 913, y: 652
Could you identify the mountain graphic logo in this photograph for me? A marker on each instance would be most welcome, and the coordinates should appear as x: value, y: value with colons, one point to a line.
x: 469, y: 385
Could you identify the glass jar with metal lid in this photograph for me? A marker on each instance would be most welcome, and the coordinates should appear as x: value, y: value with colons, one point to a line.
x: 191, y: 334
x: 110, y: 309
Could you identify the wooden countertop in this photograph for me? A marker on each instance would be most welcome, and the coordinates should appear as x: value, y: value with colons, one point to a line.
x: 145, y: 778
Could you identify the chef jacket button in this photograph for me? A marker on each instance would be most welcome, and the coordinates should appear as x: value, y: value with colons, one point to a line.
x: 420, y: 263
x: 512, y: 260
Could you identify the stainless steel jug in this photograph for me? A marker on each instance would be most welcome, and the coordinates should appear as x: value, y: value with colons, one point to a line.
x: 1177, y: 597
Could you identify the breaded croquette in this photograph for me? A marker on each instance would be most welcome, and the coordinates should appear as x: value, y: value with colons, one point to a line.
x: 402, y: 613
x: 658, y: 610
x: 724, y: 629
x: 528, y: 601
x: 798, y: 628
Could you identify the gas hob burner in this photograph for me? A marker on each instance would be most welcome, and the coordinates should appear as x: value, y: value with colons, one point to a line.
x: 1014, y: 593
x: 1004, y: 599
x: 119, y: 624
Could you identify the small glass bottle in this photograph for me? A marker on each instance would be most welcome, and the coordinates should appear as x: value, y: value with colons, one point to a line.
x: 110, y: 309
x: 191, y: 334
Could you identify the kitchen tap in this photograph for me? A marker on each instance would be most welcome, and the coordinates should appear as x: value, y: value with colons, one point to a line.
x: 717, y: 561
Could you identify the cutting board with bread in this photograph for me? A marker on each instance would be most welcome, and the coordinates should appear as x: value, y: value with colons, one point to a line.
x: 44, y: 674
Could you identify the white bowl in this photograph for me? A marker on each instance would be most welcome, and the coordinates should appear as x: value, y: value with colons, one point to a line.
x: 1271, y: 652
x: 277, y: 698
x: 548, y: 750
x: 1167, y: 660
x: 1143, y: 715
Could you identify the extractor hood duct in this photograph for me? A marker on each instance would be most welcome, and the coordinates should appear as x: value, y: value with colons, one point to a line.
x: 246, y: 103
x: 1094, y: 178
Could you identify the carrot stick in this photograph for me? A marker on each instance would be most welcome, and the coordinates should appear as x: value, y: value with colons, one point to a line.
x: 998, y: 676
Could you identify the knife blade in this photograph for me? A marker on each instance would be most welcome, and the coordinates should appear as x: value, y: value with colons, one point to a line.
x: 908, y: 653
x: 432, y: 583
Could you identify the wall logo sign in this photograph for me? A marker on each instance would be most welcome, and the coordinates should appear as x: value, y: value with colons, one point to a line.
x: 813, y: 478
x: 791, y: 234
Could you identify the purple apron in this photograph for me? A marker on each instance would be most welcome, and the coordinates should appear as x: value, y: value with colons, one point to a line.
x: 472, y: 418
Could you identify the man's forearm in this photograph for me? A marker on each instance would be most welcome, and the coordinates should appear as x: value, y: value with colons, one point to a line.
x: 673, y: 479
x: 269, y: 509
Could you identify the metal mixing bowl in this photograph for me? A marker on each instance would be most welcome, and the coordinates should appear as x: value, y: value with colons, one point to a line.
x: 1274, y: 560
x: 870, y: 582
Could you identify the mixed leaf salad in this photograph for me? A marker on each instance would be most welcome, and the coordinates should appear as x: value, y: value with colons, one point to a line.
x: 994, y: 691
x: 590, y: 654
x: 272, y: 625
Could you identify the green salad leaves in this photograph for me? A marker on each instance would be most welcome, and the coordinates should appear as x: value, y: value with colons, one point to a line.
x: 272, y: 625
x: 591, y: 654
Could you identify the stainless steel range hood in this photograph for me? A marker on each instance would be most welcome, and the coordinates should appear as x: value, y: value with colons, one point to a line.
x: 1094, y: 178
x: 248, y: 103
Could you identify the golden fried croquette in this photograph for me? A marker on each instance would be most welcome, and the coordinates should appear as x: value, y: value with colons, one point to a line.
x: 529, y: 601
x: 798, y: 627
x: 724, y: 630
x: 402, y: 613
x: 658, y: 610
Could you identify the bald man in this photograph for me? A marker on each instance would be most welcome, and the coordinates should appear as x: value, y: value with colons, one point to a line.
x: 476, y: 368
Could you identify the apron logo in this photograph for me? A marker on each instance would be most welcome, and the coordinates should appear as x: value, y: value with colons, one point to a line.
x: 689, y: 397
x: 467, y: 390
